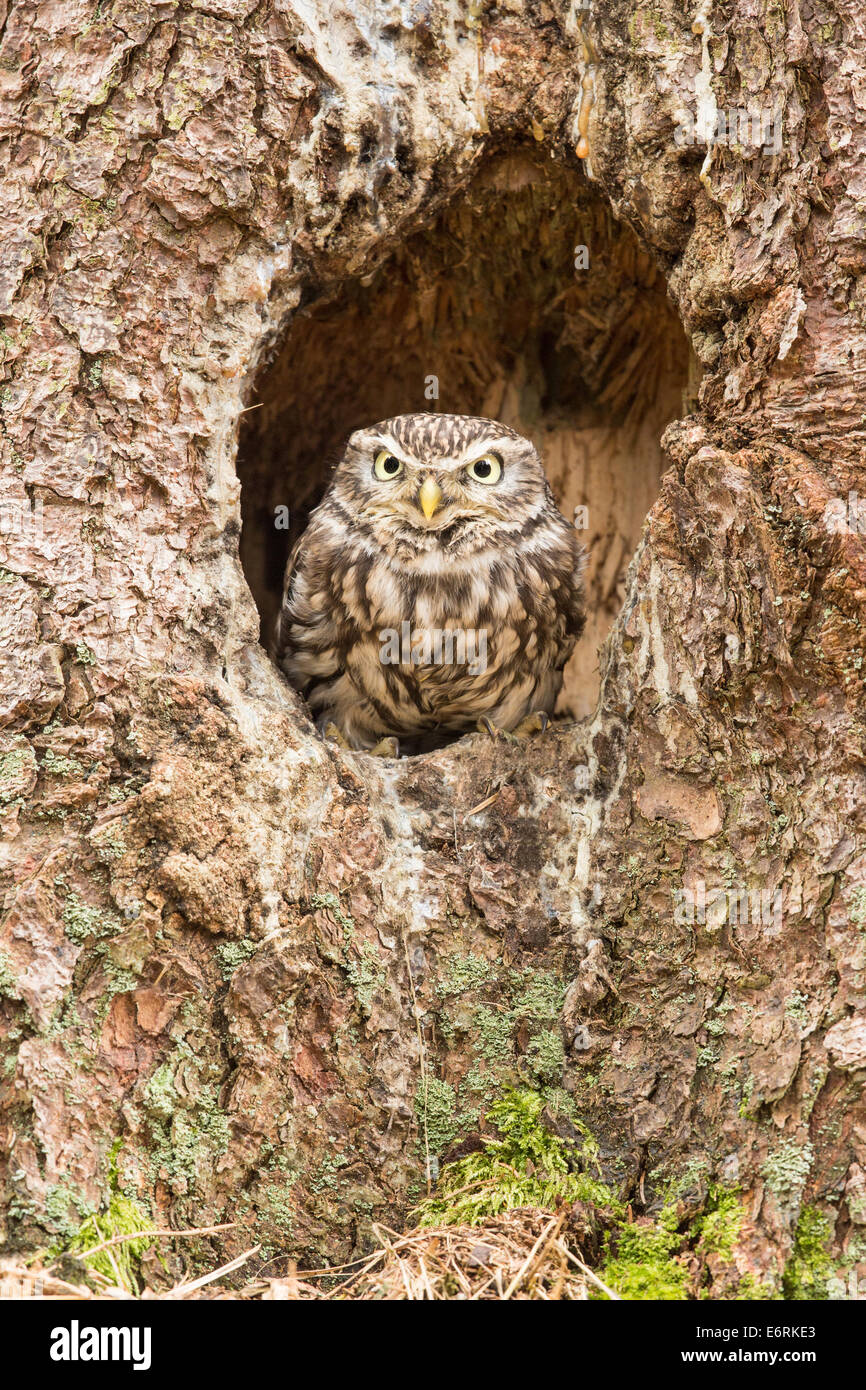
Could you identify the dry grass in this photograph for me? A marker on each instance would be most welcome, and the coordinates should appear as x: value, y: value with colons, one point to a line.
x: 523, y: 1254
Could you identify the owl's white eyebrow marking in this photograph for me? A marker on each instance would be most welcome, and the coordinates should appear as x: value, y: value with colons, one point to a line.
x: 387, y: 441
x: 481, y: 447
x: 475, y: 449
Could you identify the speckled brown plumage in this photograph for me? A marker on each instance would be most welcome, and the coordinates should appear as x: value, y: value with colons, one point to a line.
x: 492, y: 558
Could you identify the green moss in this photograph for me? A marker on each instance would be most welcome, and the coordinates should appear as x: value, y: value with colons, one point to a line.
x: 719, y: 1225
x: 644, y: 1266
x: 84, y: 655
x: 527, y: 1166
x: 120, y: 1262
x: 646, y: 1260
x: 528, y: 1003
x: 807, y: 1272
x: 123, y: 1216
x: 753, y: 1290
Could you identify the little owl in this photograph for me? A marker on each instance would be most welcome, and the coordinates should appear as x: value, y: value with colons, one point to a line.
x: 436, y: 589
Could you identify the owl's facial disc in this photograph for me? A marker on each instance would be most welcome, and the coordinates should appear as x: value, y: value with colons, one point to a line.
x: 439, y: 481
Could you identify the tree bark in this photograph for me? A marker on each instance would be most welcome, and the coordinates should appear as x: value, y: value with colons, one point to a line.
x: 278, y: 973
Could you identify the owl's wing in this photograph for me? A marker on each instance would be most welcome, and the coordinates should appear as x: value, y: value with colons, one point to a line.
x: 311, y: 639
x: 570, y: 595
x: 577, y: 613
x: 283, y: 623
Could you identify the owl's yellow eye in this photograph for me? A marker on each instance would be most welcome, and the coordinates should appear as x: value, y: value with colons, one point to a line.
x: 387, y: 466
x: 487, y: 469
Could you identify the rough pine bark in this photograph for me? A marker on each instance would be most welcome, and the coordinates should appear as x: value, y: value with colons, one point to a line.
x: 258, y: 975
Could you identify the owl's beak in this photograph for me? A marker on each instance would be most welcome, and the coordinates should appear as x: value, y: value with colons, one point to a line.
x: 430, y: 496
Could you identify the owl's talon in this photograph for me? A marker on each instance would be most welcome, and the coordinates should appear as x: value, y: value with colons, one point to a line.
x: 486, y: 726
x: 330, y: 731
x: 533, y: 724
x: 385, y: 748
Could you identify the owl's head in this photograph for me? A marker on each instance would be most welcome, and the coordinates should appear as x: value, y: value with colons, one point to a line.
x: 437, y: 479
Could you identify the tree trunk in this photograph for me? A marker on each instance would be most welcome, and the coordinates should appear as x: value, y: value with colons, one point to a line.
x: 247, y: 976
